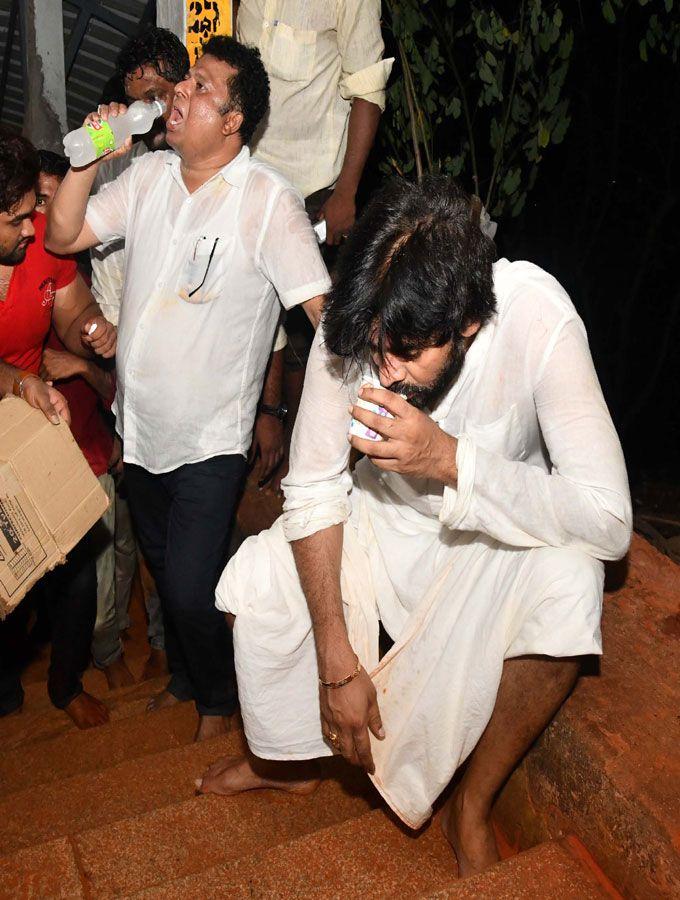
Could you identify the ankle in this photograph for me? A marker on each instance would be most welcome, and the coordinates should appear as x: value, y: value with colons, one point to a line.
x: 471, y: 806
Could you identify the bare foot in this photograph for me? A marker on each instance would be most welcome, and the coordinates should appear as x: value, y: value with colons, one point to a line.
x: 118, y: 675
x: 162, y: 701
x: 156, y: 665
x: 470, y: 835
x: 234, y: 774
x: 212, y: 726
x: 87, y: 712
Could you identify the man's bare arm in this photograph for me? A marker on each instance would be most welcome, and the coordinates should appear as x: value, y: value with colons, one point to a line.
x: 317, y: 558
x: 314, y: 308
x: 75, y: 312
x: 340, y: 208
x: 36, y: 393
x: 348, y: 712
x: 268, y: 430
x: 67, y: 231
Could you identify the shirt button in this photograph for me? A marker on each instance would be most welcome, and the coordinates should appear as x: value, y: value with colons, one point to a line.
x: 265, y: 23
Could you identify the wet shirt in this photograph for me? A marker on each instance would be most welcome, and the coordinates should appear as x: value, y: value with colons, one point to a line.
x: 539, y: 461
x: 26, y: 312
x: 319, y: 56
x: 206, y: 277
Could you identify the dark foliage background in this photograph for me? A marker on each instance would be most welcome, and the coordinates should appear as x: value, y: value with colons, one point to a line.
x: 602, y: 217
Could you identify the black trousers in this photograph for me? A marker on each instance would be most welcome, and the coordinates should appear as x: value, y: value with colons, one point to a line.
x: 71, y: 594
x: 183, y: 521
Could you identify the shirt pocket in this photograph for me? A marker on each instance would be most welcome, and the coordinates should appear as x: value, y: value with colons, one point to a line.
x: 503, y: 436
x: 201, y: 278
x: 289, y: 53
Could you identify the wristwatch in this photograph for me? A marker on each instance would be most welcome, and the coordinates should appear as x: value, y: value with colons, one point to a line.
x: 19, y: 380
x: 279, y: 412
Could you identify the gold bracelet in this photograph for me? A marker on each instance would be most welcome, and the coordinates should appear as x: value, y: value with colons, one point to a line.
x: 343, y: 681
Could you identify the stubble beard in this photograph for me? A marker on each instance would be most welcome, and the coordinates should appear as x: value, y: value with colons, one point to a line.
x: 428, y: 396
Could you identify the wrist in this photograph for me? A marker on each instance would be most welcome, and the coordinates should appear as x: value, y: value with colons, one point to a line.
x: 448, y: 470
x: 346, y: 187
x: 21, y: 379
x: 336, y: 659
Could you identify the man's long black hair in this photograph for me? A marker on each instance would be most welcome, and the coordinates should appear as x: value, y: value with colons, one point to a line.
x: 414, y: 272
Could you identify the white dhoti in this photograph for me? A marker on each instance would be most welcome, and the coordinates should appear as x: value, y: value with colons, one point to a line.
x: 460, y: 605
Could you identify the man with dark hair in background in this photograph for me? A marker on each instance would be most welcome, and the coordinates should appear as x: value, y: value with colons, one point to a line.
x: 88, y: 388
x: 212, y: 237
x: 493, y: 483
x: 39, y: 290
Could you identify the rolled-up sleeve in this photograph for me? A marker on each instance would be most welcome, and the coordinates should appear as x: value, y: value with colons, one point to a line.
x: 584, y: 502
x: 288, y: 252
x: 318, y: 483
x: 364, y: 71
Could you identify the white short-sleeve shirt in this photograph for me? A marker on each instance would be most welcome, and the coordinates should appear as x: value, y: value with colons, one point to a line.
x: 203, y: 279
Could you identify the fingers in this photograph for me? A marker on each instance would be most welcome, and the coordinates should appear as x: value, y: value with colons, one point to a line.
x: 362, y: 745
x: 384, y: 425
x: 47, y: 407
x: 101, y: 336
x: 60, y: 404
x: 106, y: 111
x: 390, y: 401
x: 375, y: 722
x: 378, y: 450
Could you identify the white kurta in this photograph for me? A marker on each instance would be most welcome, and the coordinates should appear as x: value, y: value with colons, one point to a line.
x: 507, y: 564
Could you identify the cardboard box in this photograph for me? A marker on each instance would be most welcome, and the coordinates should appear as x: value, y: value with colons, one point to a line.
x: 49, y: 498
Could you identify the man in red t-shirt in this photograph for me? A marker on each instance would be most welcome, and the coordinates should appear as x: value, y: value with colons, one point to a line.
x: 88, y: 387
x: 39, y: 290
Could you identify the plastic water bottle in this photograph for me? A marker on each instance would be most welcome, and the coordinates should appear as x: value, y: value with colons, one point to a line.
x: 89, y: 142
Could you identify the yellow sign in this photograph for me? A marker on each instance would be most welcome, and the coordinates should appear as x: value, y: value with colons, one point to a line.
x: 205, y: 19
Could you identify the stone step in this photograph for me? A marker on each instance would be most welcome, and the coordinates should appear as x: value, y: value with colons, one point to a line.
x: 40, y: 721
x: 548, y: 870
x: 373, y: 857
x: 187, y: 838
x: 366, y: 857
x: 73, y: 752
x: 85, y: 801
x: 48, y: 870
x: 608, y: 768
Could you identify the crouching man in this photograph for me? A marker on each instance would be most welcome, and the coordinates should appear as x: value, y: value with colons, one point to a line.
x: 473, y: 529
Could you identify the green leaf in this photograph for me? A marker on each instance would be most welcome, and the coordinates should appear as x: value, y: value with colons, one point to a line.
x: 485, y: 73
x: 643, y: 50
x: 566, y: 45
x: 453, y: 107
x: 543, y: 136
x: 560, y: 129
x: 608, y: 12
x: 490, y: 58
x: 511, y: 181
x: 518, y: 205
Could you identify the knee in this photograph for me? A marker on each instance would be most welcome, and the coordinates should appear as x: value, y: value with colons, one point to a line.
x: 570, y: 571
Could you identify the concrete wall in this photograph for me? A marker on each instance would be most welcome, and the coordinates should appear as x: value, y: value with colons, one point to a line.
x: 171, y: 14
x: 42, y: 44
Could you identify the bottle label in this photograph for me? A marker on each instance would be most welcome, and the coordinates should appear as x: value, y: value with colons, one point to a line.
x: 102, y: 137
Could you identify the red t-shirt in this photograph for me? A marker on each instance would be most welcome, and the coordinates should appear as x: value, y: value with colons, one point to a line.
x: 26, y: 314
x: 25, y: 321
